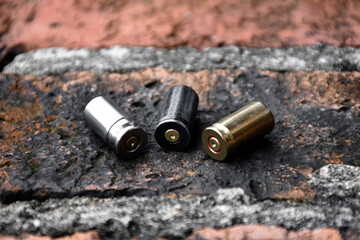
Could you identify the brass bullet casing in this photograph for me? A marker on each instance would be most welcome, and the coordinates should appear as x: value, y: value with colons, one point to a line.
x: 224, y: 137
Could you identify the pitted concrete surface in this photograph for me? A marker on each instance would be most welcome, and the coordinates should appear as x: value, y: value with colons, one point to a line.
x: 56, y: 61
x: 149, y: 217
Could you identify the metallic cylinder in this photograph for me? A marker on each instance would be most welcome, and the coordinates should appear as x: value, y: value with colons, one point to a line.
x: 106, y: 119
x: 176, y: 118
x: 224, y: 137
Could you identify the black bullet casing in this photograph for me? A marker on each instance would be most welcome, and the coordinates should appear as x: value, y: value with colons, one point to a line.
x: 177, y: 115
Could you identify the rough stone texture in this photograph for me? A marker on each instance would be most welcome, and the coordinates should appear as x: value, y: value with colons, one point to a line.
x: 47, y: 151
x: 257, y: 232
x: 168, y: 217
x: 56, y: 61
x: 337, y: 183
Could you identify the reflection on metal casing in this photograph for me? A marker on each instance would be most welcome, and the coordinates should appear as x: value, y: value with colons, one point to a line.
x: 224, y: 137
x: 106, y: 119
x: 176, y: 118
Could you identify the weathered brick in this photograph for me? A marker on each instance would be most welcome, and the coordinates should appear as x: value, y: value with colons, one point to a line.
x: 47, y: 151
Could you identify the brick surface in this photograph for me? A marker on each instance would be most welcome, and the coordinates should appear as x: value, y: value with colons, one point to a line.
x: 90, y: 235
x: 168, y: 24
x: 26, y: 24
x: 257, y: 232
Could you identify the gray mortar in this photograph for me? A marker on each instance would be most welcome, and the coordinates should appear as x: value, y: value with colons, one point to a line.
x: 336, y: 205
x: 56, y: 61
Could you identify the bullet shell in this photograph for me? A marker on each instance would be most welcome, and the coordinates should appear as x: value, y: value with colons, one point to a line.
x: 173, y: 131
x: 226, y: 136
x: 111, y: 125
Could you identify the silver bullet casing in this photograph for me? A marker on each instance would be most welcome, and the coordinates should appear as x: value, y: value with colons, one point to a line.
x: 111, y: 125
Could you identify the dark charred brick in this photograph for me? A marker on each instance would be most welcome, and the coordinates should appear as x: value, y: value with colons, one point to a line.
x: 47, y: 151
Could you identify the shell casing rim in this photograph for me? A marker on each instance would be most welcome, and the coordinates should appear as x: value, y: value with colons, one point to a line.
x: 122, y: 135
x: 222, y: 135
x: 184, y: 135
